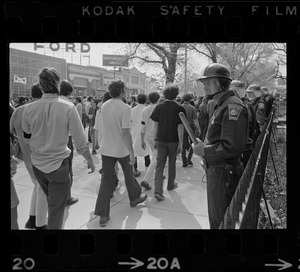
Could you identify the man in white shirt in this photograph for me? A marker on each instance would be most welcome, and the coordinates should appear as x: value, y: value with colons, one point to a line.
x: 116, y: 145
x: 136, y: 119
x: 147, y: 137
x: 47, y: 123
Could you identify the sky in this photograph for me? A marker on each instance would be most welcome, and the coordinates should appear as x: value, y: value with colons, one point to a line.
x: 96, y: 52
x: 196, y: 62
x: 97, y: 49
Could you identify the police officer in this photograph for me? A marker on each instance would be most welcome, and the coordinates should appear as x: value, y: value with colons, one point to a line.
x: 225, y: 141
x: 259, y: 107
x: 239, y: 88
x: 268, y: 99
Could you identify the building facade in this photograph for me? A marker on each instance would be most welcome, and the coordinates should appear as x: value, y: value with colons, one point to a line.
x: 87, y: 80
x: 25, y: 67
x: 134, y: 79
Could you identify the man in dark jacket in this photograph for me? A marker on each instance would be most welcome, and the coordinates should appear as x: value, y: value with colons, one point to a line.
x: 225, y: 141
x: 239, y: 88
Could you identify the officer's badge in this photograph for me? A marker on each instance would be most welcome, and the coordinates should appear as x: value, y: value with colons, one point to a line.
x: 234, y: 111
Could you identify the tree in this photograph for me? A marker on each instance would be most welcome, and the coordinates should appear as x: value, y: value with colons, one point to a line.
x: 280, y: 61
x: 154, y: 83
x: 244, y: 60
x: 163, y: 55
x: 210, y: 50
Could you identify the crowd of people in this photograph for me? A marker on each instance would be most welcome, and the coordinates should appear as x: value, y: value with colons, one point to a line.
x: 46, y: 127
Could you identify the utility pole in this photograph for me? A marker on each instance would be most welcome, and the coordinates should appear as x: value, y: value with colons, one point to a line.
x: 185, y: 69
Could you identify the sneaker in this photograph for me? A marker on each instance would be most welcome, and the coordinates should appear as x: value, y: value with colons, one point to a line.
x: 159, y: 197
x: 145, y: 185
x: 30, y: 224
x: 185, y: 164
x: 72, y: 201
x: 174, y: 186
x: 104, y: 220
x: 190, y: 164
x: 138, y: 200
x: 136, y: 173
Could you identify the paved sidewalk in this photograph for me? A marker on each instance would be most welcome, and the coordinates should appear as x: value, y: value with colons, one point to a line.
x: 183, y: 208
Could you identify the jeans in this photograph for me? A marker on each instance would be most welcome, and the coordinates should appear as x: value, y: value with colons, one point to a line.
x: 164, y: 151
x: 134, y: 190
x: 56, y: 186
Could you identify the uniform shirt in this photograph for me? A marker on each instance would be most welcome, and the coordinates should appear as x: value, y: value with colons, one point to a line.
x: 49, y: 121
x: 253, y: 125
x: 269, y: 100
x: 227, y: 132
x: 115, y: 115
x: 260, y: 110
x: 190, y: 112
x: 167, y: 116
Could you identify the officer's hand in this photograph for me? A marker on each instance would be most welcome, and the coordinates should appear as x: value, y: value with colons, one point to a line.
x: 90, y: 165
x: 199, y: 148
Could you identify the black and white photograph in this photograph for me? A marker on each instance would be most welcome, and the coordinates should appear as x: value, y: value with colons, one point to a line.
x: 132, y: 136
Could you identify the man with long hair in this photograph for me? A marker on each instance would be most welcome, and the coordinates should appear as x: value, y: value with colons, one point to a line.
x: 46, y: 125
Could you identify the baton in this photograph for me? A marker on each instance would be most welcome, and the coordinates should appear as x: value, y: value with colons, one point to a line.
x: 190, y: 132
x: 188, y: 128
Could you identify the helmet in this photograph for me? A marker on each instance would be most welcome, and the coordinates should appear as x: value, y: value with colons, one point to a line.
x: 216, y: 70
x: 265, y: 90
x: 238, y: 87
x: 237, y: 84
x: 254, y: 87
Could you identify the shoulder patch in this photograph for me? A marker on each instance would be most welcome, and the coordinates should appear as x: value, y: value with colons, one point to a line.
x: 261, y: 105
x: 234, y: 111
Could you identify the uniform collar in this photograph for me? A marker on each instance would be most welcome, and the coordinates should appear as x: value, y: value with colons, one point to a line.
x: 221, y: 97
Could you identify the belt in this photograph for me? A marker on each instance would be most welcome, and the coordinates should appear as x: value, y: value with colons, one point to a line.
x: 222, y: 164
